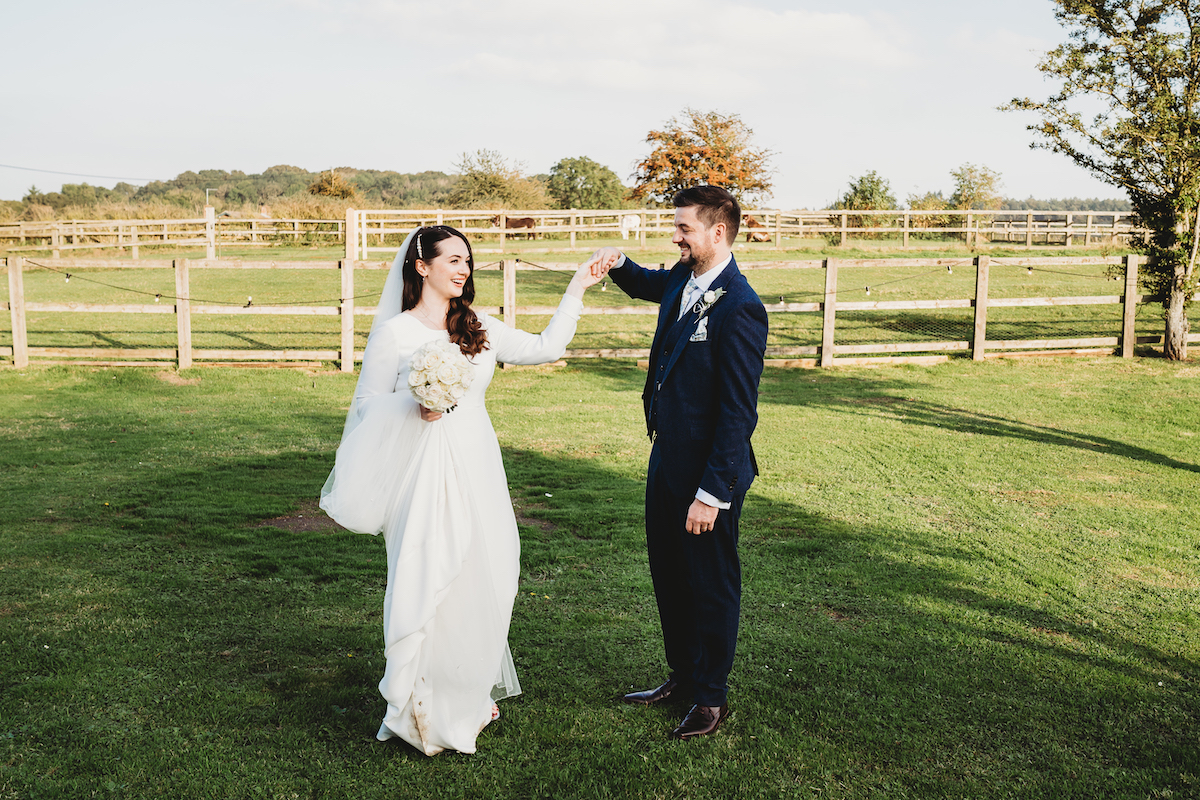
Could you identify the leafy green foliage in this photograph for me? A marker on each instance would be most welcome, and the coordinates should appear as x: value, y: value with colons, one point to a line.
x: 975, y: 187
x: 869, y: 191
x: 1067, y: 204
x: 331, y: 184
x: 79, y: 194
x: 705, y: 147
x: 1136, y: 64
x: 583, y: 183
x: 487, y: 180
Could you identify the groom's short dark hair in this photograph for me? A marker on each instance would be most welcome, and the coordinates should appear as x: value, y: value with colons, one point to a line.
x: 714, y: 205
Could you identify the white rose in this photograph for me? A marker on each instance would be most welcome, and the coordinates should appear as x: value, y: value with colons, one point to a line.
x: 457, y: 392
x: 418, y: 361
x: 433, y: 359
x: 446, y: 373
x: 414, y: 378
x: 710, y: 297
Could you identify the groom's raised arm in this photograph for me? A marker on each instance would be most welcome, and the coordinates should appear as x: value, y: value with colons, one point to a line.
x: 637, y: 282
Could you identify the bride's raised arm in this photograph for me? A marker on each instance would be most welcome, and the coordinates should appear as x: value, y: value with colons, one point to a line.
x: 520, y: 347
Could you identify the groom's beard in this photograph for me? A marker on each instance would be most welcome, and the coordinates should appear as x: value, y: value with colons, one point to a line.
x: 695, y: 258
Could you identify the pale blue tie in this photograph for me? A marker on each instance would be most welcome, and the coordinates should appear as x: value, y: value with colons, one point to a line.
x: 689, y: 296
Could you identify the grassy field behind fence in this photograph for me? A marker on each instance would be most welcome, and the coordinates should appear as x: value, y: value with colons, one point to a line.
x: 544, y: 288
x: 979, y: 580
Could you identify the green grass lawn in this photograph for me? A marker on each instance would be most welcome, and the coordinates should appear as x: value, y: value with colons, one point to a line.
x: 977, y: 580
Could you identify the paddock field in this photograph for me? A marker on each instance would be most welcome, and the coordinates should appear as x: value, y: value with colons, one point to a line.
x: 974, y: 580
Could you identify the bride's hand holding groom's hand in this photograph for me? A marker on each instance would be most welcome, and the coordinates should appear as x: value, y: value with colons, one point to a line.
x: 591, y: 272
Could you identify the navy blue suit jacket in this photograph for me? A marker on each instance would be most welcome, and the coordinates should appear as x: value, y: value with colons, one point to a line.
x: 701, y: 397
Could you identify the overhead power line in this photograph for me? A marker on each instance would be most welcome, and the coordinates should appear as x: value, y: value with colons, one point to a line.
x: 77, y: 174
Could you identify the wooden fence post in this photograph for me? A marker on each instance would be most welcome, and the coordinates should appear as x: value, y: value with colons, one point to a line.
x: 907, y: 217
x: 1029, y: 230
x: 210, y: 231
x: 642, y: 229
x: 183, y: 312
x: 133, y: 240
x: 351, y: 234
x: 16, y: 306
x: 573, y: 218
x: 970, y: 222
x: 509, y: 309
x: 56, y: 240
x: 830, y: 310
x: 1128, y: 328
x: 346, y: 309
x: 979, y: 339
x: 503, y: 237
x: 1067, y: 239
x: 778, y: 228
x: 843, y: 229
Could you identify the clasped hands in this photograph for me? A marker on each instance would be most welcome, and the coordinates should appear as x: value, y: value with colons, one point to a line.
x: 593, y: 270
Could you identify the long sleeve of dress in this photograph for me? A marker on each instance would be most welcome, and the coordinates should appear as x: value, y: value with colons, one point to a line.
x: 514, y: 346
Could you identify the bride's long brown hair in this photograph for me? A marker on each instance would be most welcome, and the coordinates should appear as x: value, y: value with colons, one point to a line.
x: 464, y: 327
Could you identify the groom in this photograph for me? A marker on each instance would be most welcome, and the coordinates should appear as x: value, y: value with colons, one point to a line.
x: 701, y: 401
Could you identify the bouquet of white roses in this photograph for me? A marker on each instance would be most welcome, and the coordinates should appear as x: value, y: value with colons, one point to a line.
x: 439, y: 375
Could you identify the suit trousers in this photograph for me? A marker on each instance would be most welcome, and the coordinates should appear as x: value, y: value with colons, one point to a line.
x: 698, y: 586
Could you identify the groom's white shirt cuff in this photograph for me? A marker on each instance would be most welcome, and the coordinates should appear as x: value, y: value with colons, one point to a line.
x: 709, y: 500
x: 701, y: 495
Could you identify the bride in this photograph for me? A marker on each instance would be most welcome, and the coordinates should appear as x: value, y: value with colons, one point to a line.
x: 434, y: 484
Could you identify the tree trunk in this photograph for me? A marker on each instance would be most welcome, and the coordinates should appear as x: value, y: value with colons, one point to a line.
x: 1175, y: 345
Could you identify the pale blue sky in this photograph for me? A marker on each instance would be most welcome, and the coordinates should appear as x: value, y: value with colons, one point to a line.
x: 151, y: 89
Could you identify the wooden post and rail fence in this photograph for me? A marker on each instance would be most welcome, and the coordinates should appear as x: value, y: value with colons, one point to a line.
x: 20, y: 353
x: 372, y: 231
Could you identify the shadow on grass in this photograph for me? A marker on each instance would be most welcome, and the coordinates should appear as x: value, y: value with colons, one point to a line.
x: 889, y: 399
x: 196, y: 647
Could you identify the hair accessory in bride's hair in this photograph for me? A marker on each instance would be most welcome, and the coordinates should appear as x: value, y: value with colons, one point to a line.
x: 419, y: 255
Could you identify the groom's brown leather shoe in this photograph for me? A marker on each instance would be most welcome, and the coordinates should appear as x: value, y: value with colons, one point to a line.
x: 651, y: 696
x: 700, y: 721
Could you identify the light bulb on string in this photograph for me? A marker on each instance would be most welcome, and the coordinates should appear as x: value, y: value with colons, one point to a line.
x: 950, y: 268
x: 157, y: 297
x: 249, y: 302
x: 68, y: 278
x: 867, y: 289
x: 1029, y: 270
x: 604, y: 286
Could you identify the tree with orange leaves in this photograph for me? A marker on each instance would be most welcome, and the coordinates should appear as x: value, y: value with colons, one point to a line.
x: 706, y: 147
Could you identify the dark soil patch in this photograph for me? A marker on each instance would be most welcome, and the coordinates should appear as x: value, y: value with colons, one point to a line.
x: 307, y: 518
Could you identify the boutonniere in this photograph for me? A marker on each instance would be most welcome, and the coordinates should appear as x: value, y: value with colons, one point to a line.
x: 707, y: 301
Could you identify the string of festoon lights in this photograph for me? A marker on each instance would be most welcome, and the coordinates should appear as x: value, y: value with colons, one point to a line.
x: 783, y: 298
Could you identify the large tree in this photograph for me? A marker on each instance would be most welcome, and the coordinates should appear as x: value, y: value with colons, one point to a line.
x: 583, y: 183
x: 1134, y: 65
x: 486, y: 180
x: 871, y: 191
x: 705, y: 147
x: 975, y: 187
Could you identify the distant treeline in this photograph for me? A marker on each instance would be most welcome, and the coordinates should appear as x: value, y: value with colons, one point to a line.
x: 1066, y: 204
x: 236, y: 188
x: 380, y: 188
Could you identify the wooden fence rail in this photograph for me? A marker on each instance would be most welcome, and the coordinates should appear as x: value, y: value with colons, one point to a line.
x: 60, y: 236
x: 829, y: 352
x: 368, y: 232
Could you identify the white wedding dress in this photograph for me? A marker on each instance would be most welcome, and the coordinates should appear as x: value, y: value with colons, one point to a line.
x: 438, y: 492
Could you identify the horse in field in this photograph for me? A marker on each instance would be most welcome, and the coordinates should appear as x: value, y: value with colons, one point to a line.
x: 753, y: 235
x: 517, y: 222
